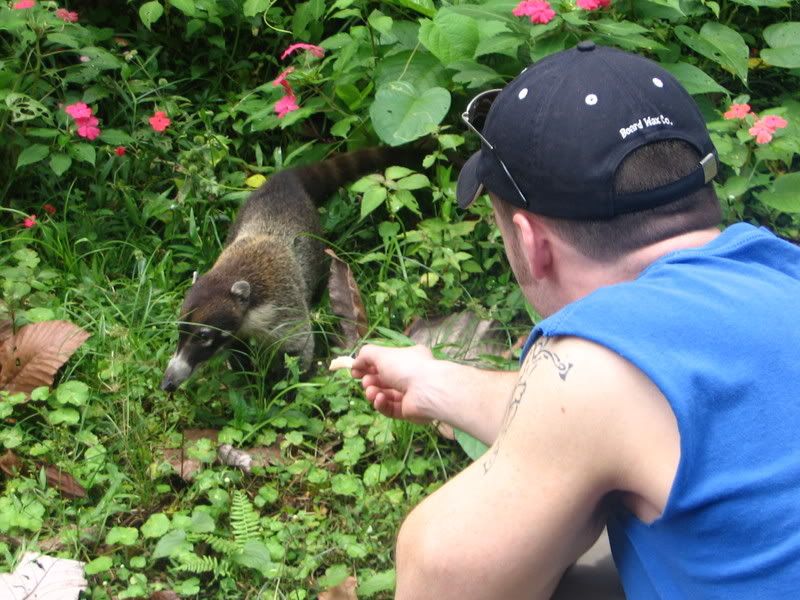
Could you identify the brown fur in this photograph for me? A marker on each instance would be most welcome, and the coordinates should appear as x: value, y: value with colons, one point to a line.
x: 275, y: 246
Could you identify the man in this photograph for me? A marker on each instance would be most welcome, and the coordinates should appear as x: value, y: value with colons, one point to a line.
x: 659, y: 396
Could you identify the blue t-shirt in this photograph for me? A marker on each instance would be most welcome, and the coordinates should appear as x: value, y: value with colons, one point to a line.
x: 717, y: 329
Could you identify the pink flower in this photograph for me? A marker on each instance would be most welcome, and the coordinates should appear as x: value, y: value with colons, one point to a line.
x: 22, y: 4
x: 593, y: 4
x: 29, y: 221
x: 49, y: 209
x: 281, y: 79
x: 539, y: 11
x: 120, y: 150
x: 763, y: 129
x: 774, y: 122
x: 159, y: 121
x: 87, y: 128
x: 761, y: 132
x: 286, y: 105
x: 737, y: 111
x: 317, y: 51
x: 79, y: 110
x: 66, y: 15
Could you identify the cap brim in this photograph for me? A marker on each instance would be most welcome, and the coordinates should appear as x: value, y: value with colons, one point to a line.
x: 469, y: 186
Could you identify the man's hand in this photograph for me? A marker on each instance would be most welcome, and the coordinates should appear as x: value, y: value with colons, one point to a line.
x: 394, y: 381
x: 408, y: 383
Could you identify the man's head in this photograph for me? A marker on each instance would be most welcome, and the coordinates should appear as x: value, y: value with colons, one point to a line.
x: 602, y: 149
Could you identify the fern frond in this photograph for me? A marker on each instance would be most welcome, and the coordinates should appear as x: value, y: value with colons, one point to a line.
x: 244, y: 519
x: 224, y: 546
x: 205, y: 564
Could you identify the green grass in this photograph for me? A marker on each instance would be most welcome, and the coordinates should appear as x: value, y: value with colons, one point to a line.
x: 333, y: 504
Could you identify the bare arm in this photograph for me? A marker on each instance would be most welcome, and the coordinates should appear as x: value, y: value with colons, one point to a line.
x: 509, y: 525
x: 409, y: 383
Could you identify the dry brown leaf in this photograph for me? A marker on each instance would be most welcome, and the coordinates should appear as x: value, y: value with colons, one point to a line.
x: 10, y: 464
x: 31, y: 357
x: 344, y: 591
x: 461, y: 335
x: 264, y: 456
x: 192, y: 435
x: 346, y: 300
x: 64, y: 482
x: 42, y: 577
x: 6, y: 330
x: 184, y: 466
x: 165, y: 595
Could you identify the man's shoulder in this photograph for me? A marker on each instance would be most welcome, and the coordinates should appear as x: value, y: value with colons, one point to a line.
x: 588, y: 392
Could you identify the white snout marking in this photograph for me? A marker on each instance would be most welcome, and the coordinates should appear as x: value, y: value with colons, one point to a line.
x: 178, y: 368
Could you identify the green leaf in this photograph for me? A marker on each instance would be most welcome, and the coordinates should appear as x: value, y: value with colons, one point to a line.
x: 72, y: 392
x: 400, y: 113
x: 450, y: 36
x: 254, y: 554
x: 185, y: 6
x: 782, y: 35
x: 40, y: 393
x: 115, y: 137
x: 202, y: 522
x: 155, y: 526
x: 170, y: 544
x: 65, y: 416
x: 83, y: 152
x: 60, y: 163
x: 39, y: 314
x: 719, y: 43
x: 474, y: 448
x: 32, y: 154
x: 150, y: 12
x: 423, y: 7
x: 372, y: 199
x: 124, y: 536
x: 346, y: 485
x: 764, y: 3
x: 784, y: 194
x: 397, y: 172
x: 787, y: 57
x: 417, y: 181
x: 693, y: 79
x: 383, y: 581
x: 251, y: 8
x: 420, y: 69
x: 334, y: 575
x: 98, y: 565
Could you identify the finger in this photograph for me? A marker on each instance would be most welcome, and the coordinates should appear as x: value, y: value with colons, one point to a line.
x: 387, y: 407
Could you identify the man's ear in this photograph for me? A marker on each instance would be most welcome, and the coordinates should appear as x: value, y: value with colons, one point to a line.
x: 534, y: 238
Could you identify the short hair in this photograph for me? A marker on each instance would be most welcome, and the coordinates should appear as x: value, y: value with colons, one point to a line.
x: 645, y: 168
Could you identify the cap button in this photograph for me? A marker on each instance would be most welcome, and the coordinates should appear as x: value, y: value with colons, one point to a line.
x: 586, y: 46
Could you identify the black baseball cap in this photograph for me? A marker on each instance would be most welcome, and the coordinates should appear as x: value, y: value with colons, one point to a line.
x: 553, y: 138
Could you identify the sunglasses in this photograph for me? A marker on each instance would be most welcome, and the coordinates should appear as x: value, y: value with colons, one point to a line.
x: 474, y: 116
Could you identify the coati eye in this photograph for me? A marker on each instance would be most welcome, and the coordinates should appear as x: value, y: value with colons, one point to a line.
x: 204, y: 336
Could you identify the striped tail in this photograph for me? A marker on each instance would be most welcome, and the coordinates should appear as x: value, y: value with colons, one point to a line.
x: 322, y: 179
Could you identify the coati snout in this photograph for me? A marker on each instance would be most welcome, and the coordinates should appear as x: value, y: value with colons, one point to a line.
x: 261, y: 286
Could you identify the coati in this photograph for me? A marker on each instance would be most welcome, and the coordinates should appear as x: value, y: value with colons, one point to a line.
x: 272, y: 264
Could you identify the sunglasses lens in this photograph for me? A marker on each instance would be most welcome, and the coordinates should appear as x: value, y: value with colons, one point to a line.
x: 479, y: 108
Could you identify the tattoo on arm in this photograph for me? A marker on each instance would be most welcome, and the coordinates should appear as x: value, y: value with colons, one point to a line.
x: 538, y: 354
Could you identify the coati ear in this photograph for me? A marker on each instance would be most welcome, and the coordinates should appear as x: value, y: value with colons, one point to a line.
x: 241, y: 291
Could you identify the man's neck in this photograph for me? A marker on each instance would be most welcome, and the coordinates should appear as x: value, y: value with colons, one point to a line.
x: 591, y: 275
